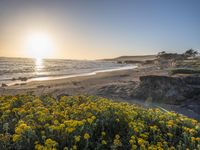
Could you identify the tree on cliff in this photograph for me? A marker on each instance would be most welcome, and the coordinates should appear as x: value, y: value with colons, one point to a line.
x: 191, y: 53
x: 161, y: 53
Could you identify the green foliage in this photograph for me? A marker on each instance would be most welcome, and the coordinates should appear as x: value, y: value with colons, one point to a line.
x: 80, y: 122
x: 191, y: 53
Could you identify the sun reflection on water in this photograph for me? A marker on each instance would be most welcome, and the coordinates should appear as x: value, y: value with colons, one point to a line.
x: 39, y: 64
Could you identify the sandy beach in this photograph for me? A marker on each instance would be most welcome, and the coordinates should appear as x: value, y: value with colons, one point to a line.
x: 89, y: 84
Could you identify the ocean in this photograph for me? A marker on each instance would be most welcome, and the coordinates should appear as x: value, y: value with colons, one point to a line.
x: 22, y: 70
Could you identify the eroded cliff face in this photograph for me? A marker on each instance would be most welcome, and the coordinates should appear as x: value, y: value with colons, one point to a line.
x: 183, y: 91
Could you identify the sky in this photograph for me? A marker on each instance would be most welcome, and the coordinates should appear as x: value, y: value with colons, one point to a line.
x: 94, y: 29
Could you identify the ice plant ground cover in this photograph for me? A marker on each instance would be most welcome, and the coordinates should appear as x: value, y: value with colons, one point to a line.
x: 88, y: 122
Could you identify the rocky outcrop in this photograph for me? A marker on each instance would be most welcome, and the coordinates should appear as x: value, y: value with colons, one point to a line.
x: 183, y: 91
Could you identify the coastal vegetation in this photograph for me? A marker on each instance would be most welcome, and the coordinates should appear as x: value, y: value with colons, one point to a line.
x: 89, y: 122
x: 184, y: 71
x: 193, y: 64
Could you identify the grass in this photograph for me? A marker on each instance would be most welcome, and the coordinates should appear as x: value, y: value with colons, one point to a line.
x: 193, y: 64
x: 82, y: 122
x: 184, y: 71
x: 190, y: 66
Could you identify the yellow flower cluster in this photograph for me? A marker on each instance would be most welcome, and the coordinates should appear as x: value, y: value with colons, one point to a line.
x: 88, y: 122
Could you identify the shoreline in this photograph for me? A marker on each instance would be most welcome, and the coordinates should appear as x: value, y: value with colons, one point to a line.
x: 103, y: 77
x: 71, y: 76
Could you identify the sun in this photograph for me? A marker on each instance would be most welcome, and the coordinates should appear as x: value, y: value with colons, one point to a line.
x: 39, y: 46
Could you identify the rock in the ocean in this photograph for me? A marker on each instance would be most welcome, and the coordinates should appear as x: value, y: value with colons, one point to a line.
x: 3, y: 85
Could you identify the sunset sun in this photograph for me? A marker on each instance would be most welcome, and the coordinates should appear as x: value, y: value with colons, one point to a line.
x: 39, y: 46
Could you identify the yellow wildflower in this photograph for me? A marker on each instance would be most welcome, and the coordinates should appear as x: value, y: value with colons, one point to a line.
x: 77, y: 138
x: 16, y: 137
x: 136, y: 130
x: 133, y: 147
x: 103, y: 142
x: 193, y: 139
x: 117, y: 141
x: 89, y: 120
x: 86, y: 136
x: 70, y: 130
x: 103, y: 133
x: 141, y: 141
x: 192, y: 131
x: 170, y: 135
x: 65, y: 148
x: 117, y: 136
x: 133, y: 137
x: 50, y: 143
x: 93, y: 117
x: 131, y: 141
x: 74, y: 147
x: 39, y: 147
x: 198, y: 139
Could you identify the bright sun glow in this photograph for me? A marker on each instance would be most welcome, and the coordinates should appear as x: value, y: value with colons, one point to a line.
x: 39, y: 46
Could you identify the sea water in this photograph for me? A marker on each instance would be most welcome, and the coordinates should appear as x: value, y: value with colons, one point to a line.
x: 20, y: 70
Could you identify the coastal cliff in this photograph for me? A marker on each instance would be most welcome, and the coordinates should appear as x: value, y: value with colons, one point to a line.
x: 184, y: 91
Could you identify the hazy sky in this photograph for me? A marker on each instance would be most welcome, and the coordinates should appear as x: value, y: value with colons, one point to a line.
x: 90, y: 29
